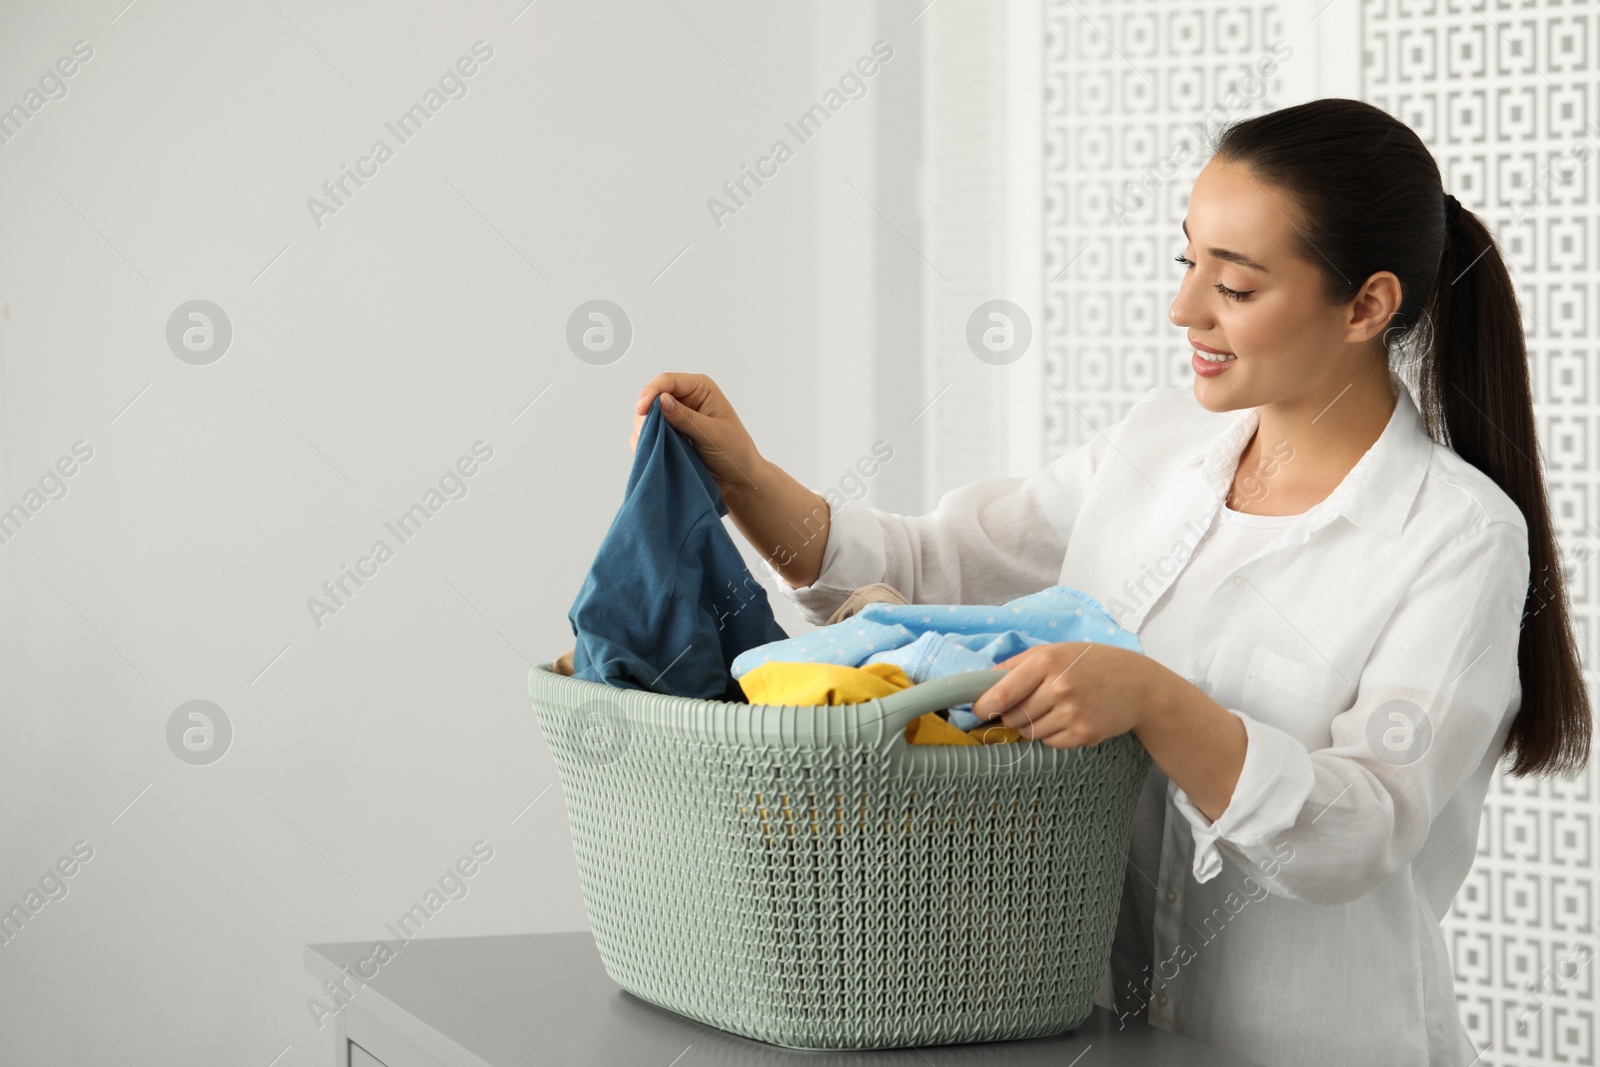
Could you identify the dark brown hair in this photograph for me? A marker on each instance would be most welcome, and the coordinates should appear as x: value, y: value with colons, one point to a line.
x: 1369, y: 199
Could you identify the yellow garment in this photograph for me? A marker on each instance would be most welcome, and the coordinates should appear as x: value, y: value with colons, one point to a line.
x: 805, y: 684
x: 929, y: 729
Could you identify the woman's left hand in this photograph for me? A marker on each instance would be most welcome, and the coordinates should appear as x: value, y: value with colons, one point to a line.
x: 1075, y: 693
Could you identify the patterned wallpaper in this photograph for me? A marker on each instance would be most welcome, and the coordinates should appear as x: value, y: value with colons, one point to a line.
x: 1132, y: 92
x: 1505, y: 94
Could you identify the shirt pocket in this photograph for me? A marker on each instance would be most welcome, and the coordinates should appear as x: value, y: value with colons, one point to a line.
x: 1297, y: 697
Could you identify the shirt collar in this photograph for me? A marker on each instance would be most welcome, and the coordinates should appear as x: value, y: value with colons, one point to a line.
x: 1378, y: 491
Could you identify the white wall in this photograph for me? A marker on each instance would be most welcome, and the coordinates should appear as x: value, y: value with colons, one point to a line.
x: 367, y: 355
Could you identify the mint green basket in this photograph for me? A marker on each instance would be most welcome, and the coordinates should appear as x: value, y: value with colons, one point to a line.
x: 805, y: 877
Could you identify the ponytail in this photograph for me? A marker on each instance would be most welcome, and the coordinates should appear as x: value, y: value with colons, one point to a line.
x: 1475, y: 396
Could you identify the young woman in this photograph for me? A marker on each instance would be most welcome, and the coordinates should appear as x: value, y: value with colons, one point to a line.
x: 1351, y: 603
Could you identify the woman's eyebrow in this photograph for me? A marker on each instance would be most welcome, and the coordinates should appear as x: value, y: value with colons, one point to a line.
x: 1232, y: 257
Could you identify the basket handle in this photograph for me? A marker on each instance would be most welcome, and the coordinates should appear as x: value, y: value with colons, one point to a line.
x: 898, y: 709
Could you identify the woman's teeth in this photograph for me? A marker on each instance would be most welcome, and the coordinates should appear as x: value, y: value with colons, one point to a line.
x: 1210, y: 358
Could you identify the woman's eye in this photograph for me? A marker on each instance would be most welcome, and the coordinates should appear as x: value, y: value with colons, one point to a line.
x: 1231, y: 294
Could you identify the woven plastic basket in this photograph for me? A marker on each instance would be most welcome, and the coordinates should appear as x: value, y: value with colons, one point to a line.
x: 805, y: 877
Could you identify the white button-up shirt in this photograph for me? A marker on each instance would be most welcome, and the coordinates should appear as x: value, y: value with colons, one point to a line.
x: 1370, y: 650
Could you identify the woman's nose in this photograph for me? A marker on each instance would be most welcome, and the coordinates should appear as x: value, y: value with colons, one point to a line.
x: 1179, y: 311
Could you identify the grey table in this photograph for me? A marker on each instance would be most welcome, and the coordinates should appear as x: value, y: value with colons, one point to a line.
x: 536, y: 999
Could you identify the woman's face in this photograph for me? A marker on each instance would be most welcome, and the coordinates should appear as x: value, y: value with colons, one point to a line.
x: 1246, y: 292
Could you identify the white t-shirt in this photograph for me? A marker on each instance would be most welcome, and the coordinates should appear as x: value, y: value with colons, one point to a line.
x: 1166, y: 636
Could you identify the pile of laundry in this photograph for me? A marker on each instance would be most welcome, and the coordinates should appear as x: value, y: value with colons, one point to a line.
x: 669, y: 606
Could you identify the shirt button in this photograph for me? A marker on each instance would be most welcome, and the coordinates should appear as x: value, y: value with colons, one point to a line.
x: 1163, y: 1000
x: 1172, y: 898
x: 1238, y: 579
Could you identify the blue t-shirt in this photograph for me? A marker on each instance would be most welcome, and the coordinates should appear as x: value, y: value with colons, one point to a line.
x: 668, y: 602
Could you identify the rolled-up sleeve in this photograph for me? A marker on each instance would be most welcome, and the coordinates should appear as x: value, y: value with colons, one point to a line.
x: 853, y: 557
x: 1438, y: 689
x: 984, y: 543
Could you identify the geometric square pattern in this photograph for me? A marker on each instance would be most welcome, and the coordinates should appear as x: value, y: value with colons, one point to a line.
x: 1133, y: 94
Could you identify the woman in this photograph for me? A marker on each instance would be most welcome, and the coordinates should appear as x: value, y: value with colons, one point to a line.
x: 1350, y: 611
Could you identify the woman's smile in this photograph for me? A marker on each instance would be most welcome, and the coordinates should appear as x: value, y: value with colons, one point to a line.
x: 1210, y: 366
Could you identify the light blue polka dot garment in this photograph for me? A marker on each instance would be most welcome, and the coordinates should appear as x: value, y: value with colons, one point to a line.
x: 930, y: 641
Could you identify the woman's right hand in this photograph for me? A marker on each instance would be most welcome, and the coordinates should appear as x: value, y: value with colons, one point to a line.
x: 703, y: 415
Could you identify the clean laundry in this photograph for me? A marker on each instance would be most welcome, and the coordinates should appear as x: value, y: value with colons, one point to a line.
x: 931, y: 641
x: 668, y: 602
x: 805, y: 684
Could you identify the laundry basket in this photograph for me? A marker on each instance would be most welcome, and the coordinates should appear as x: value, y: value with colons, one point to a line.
x: 805, y: 877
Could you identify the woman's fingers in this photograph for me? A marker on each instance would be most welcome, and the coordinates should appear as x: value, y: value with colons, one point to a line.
x: 674, y: 414
x: 1008, y: 691
x: 702, y: 414
x: 1024, y: 698
x: 674, y: 384
x: 648, y: 393
x: 692, y: 390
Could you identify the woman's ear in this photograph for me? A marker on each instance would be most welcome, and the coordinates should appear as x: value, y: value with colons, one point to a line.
x: 1373, y: 309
